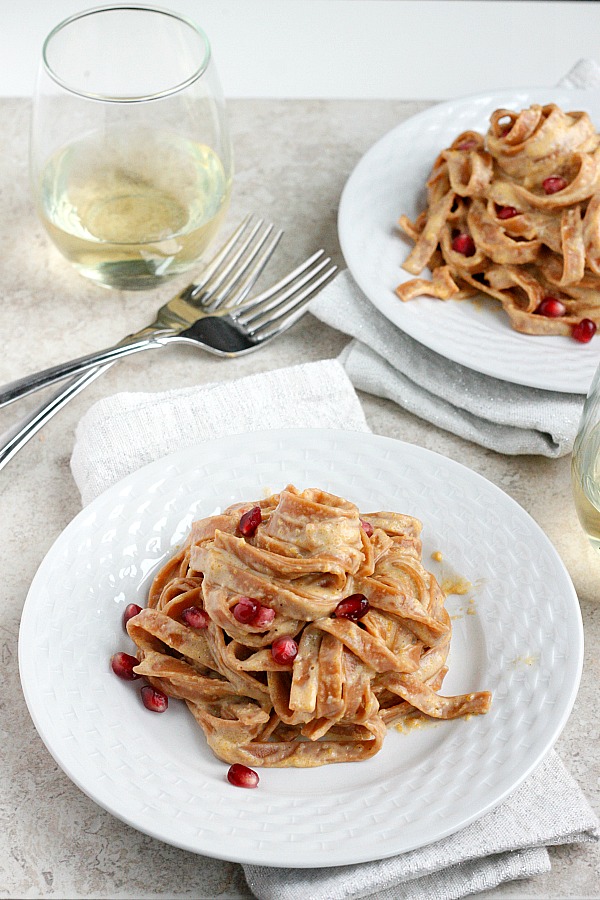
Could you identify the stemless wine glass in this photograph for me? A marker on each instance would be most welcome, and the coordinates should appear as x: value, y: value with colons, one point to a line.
x: 585, y: 465
x: 130, y: 154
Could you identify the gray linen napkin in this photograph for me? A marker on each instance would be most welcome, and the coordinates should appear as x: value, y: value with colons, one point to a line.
x: 119, y: 434
x: 506, y: 844
x: 384, y: 361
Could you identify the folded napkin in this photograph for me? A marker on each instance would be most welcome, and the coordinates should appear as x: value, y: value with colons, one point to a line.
x: 508, y: 843
x: 384, y: 361
x: 121, y: 433
x: 584, y: 75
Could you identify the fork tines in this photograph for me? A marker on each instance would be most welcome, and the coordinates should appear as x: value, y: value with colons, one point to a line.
x: 278, y: 307
x: 234, y: 270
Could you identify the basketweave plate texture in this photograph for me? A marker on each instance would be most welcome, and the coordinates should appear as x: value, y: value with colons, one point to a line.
x: 390, y: 180
x: 517, y: 632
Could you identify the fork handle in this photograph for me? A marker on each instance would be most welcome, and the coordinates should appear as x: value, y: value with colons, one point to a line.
x: 15, y: 440
x: 30, y: 383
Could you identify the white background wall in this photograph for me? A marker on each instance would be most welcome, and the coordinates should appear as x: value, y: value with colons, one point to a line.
x: 421, y: 49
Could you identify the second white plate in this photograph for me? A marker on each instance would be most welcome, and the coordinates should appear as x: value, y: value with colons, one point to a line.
x: 517, y: 633
x: 390, y: 180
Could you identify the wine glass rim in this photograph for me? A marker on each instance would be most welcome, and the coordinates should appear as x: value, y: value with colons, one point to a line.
x: 111, y: 7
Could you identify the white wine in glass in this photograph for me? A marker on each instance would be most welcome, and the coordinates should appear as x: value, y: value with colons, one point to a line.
x: 585, y: 465
x: 131, y: 161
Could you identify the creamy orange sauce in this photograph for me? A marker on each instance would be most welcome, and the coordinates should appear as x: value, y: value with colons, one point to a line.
x: 525, y: 661
x: 413, y: 723
x: 456, y: 584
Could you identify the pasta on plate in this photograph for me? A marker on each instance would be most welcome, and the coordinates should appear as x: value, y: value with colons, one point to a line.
x: 515, y: 214
x: 366, y: 623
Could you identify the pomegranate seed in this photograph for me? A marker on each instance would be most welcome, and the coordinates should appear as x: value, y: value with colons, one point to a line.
x: 195, y: 617
x: 251, y: 612
x: 131, y: 610
x: 263, y: 617
x: 353, y: 607
x: 250, y: 521
x: 551, y: 307
x: 554, y: 184
x: 284, y: 649
x: 584, y: 331
x: 153, y: 699
x: 506, y: 212
x: 366, y: 527
x: 467, y: 145
x: 242, y: 776
x: 463, y: 243
x: 245, y: 610
x: 122, y: 665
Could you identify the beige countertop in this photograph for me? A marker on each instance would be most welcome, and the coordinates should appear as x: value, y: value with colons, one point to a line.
x: 292, y: 160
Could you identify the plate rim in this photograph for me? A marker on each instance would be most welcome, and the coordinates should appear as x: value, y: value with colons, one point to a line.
x: 393, y: 313
x: 293, y: 434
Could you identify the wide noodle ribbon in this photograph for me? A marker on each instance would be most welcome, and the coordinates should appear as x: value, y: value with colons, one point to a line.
x: 527, y: 239
x: 351, y: 678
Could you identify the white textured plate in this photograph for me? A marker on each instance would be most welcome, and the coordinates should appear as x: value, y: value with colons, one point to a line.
x: 390, y: 180
x: 523, y: 642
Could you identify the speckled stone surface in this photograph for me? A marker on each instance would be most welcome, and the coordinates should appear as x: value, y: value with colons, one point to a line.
x: 292, y: 160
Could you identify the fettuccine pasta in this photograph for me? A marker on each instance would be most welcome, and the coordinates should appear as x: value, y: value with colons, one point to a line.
x: 349, y: 592
x: 515, y: 214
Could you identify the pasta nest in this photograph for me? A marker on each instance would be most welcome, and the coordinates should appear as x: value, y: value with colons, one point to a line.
x: 350, y: 679
x: 547, y: 245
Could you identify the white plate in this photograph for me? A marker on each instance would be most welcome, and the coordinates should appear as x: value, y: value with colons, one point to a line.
x: 524, y: 643
x: 390, y: 180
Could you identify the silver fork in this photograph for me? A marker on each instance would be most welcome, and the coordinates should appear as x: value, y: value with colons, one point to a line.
x: 218, y: 286
x: 217, y: 299
x: 248, y: 326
